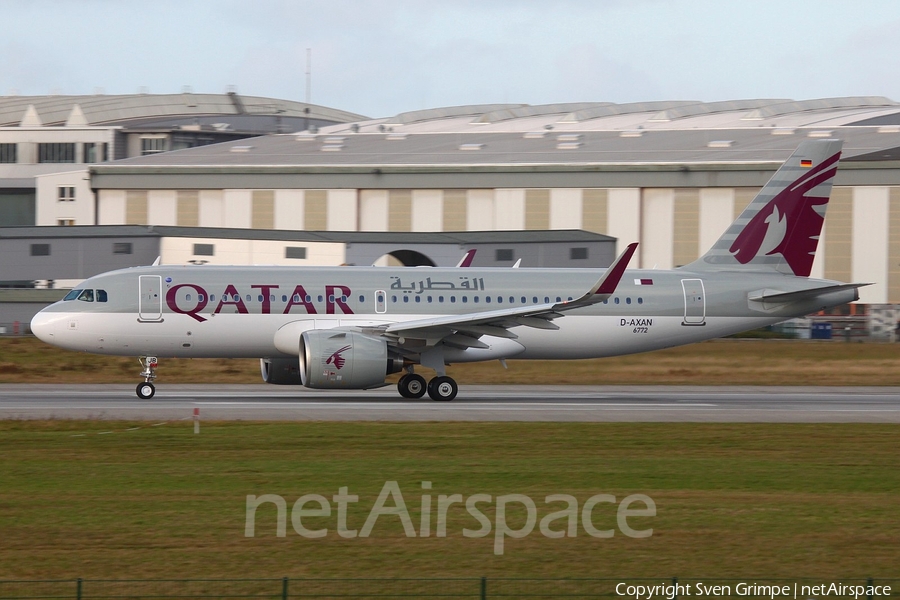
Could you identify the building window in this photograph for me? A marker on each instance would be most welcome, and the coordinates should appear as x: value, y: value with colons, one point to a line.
x: 56, y: 153
x: 40, y: 249
x: 66, y: 193
x: 204, y: 249
x: 578, y: 253
x: 504, y: 254
x: 152, y: 145
x: 94, y: 153
x: 183, y: 141
x: 65, y: 222
x: 295, y: 252
x: 122, y: 248
x: 7, y: 153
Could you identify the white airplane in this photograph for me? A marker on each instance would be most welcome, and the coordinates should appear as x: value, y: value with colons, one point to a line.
x: 351, y: 327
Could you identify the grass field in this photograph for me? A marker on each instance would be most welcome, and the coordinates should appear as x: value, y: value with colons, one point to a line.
x: 718, y: 362
x: 95, y: 500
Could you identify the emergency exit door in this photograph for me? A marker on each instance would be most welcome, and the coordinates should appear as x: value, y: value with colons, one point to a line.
x: 380, y: 302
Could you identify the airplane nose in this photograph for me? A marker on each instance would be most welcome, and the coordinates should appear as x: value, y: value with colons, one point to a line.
x: 42, y: 326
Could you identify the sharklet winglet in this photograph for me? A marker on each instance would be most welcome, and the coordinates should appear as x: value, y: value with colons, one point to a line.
x: 466, y: 260
x: 613, y: 275
x: 608, y: 282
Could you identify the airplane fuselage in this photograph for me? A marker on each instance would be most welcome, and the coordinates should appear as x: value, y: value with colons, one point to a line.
x: 239, y: 312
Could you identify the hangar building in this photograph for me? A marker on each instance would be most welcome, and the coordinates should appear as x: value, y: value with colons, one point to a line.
x: 671, y: 175
x: 50, y: 134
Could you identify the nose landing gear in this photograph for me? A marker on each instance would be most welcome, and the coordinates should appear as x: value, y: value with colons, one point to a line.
x: 146, y: 389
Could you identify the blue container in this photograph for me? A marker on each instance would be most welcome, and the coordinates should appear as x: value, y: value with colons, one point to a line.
x: 820, y: 331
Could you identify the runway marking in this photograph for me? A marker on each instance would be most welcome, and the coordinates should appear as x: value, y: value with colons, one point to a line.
x: 522, y: 408
x: 411, y: 407
x: 486, y: 403
x: 509, y: 396
x: 449, y: 405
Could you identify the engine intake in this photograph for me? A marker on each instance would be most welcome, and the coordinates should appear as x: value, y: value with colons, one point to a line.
x: 332, y: 359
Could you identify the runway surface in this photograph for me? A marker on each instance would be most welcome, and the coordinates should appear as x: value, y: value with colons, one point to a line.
x: 474, y: 403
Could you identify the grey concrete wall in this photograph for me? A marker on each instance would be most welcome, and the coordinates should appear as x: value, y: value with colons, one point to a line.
x: 547, y: 254
x: 533, y: 254
x: 20, y: 305
x: 71, y: 258
x: 17, y: 208
x: 442, y: 255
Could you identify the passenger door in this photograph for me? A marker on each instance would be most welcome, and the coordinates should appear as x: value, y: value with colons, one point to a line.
x: 694, y: 302
x: 150, y: 299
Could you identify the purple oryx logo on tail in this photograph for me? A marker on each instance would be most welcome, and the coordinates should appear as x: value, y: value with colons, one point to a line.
x: 337, y: 359
x: 788, y: 224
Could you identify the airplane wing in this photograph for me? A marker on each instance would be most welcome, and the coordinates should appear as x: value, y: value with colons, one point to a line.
x: 464, y: 330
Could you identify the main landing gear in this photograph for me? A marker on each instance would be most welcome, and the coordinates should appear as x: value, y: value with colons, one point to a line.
x: 442, y: 388
x: 146, y: 389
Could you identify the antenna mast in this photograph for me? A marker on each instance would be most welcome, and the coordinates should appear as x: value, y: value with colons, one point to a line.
x: 308, y: 75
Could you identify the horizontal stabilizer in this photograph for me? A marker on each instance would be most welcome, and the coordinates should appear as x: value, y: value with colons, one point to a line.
x: 777, y: 296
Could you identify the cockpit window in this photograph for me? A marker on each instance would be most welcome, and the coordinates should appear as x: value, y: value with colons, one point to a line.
x: 86, y: 296
x: 101, y: 296
x: 72, y: 295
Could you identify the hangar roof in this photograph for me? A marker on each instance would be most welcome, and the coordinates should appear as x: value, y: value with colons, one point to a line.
x: 132, y: 109
x: 488, y: 149
x: 668, y: 114
x: 392, y: 237
x: 584, y: 133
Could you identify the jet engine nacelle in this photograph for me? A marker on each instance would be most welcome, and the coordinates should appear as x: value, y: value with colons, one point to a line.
x: 280, y: 371
x: 336, y: 359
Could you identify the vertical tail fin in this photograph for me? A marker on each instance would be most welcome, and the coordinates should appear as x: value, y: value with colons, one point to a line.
x: 780, y: 228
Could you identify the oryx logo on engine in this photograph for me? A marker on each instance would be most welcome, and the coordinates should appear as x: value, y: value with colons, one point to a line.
x: 337, y: 359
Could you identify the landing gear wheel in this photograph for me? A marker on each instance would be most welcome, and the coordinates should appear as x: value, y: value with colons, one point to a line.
x: 145, y: 390
x: 442, y: 388
x: 411, y: 386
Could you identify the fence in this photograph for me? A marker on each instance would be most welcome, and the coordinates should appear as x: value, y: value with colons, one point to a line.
x: 15, y: 328
x: 468, y: 588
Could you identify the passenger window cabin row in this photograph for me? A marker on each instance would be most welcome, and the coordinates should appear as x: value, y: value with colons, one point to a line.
x: 90, y: 295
